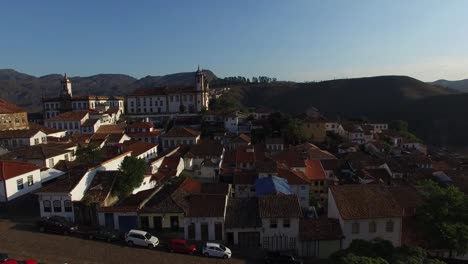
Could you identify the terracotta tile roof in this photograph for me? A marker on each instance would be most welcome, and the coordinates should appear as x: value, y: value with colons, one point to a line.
x: 90, y: 122
x: 243, y: 213
x: 320, y: 229
x: 69, y: 116
x: 13, y: 168
x: 137, y: 147
x: 23, y: 133
x: 172, y: 198
x: 47, y: 130
x: 266, y: 165
x: 279, y: 206
x: 9, y: 108
x: 314, y: 170
x: 101, y: 186
x: 170, y: 164
x: 207, y: 205
x: 182, y: 132
x: 242, y: 138
x: 147, y: 134
x: 245, y: 155
x: 67, y: 182
x: 360, y: 201
x: 144, y: 125
x: 36, y: 152
x: 110, y: 129
x: 290, y: 157
x: 407, y: 197
x: 132, y: 203
x: 292, y: 176
x: 215, y: 188
x: 245, y: 177
x: 206, y: 148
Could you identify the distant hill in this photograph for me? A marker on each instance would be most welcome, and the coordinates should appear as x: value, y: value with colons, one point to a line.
x: 461, y: 85
x: 27, y: 90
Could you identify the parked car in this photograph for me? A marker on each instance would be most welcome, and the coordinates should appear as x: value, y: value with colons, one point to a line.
x: 216, y: 250
x: 181, y: 246
x: 3, y: 257
x: 56, y: 224
x: 5, y: 260
x: 100, y: 233
x: 276, y: 257
x: 141, y: 238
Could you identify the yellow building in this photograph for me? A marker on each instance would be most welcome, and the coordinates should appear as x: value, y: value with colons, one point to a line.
x: 314, y: 129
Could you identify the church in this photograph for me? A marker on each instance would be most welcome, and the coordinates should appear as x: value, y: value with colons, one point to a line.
x: 66, y: 102
x: 191, y: 99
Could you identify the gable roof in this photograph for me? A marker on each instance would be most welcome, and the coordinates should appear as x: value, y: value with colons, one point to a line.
x: 207, y: 205
x: 110, y: 129
x: 320, y: 229
x: 69, y: 116
x: 12, y: 168
x: 36, y: 152
x: 132, y: 203
x: 101, y: 186
x: 361, y: 201
x: 182, y: 132
x: 9, y: 108
x: 137, y: 147
x: 206, y: 147
x: 279, y: 206
x: 292, y: 176
x: 47, y: 130
x: 314, y: 170
x: 23, y: 133
x: 243, y: 213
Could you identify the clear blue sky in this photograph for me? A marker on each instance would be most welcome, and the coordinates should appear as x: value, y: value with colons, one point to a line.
x: 290, y: 39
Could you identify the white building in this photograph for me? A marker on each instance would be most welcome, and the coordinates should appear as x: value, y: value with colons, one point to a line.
x: 17, y: 179
x: 72, y: 122
x: 65, y: 102
x: 366, y: 212
x: 12, y: 139
x: 56, y: 198
x: 171, y: 100
x: 42, y: 155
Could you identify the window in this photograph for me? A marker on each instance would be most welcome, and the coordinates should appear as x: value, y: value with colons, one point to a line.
x: 66, y: 157
x: 286, y: 223
x: 46, y: 204
x: 68, y: 205
x: 273, y: 223
x: 355, y: 228
x: 191, y: 230
x: 302, y: 187
x: 57, y: 206
x: 389, y: 226
x: 36, y: 141
x: 19, y: 184
x: 51, y: 162
x: 218, y: 231
x: 30, y: 180
x: 372, y: 227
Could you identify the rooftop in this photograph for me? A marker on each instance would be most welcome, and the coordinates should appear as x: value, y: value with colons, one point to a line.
x: 13, y: 168
x: 243, y: 213
x: 279, y: 206
x: 69, y: 116
x: 198, y: 205
x: 9, y: 108
x: 182, y: 132
x: 319, y: 229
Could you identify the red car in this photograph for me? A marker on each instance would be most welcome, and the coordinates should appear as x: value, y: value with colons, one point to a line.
x: 12, y: 261
x: 180, y: 245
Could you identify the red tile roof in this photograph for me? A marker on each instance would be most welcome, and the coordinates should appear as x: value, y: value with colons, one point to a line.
x: 137, y: 147
x: 145, y: 125
x: 320, y: 229
x: 245, y: 177
x: 245, y: 155
x: 207, y: 205
x: 292, y: 176
x: 148, y: 134
x: 206, y: 148
x: 11, y: 168
x: 314, y: 170
x: 69, y: 116
x: 279, y: 206
x: 23, y: 133
x: 170, y: 164
x: 9, y: 108
x: 359, y: 201
x: 47, y: 130
x: 290, y: 157
x: 110, y: 129
x: 182, y: 132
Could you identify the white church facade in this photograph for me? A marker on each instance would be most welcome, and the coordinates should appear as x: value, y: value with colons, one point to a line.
x: 171, y: 100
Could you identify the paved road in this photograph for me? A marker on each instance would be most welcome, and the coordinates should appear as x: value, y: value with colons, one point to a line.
x: 23, y: 241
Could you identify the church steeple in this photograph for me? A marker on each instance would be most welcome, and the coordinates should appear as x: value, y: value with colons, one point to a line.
x: 66, y: 86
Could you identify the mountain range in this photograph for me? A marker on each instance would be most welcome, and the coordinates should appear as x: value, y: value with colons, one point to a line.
x: 435, y: 112
x: 461, y: 85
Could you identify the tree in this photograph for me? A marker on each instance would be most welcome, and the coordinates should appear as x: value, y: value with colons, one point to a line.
x: 443, y: 217
x: 353, y: 259
x: 132, y: 171
x: 88, y: 154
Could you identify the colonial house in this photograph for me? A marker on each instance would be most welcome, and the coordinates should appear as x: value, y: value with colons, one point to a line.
x: 206, y: 156
x: 17, y: 179
x: 180, y: 136
x: 334, y: 127
x: 143, y: 131
x: 366, y: 212
x: 205, y: 223
x: 354, y: 133
x: 12, y: 117
x: 57, y: 198
x: 65, y: 102
x: 13, y: 139
x: 241, y: 140
x: 50, y: 132
x: 314, y: 128
x: 274, y: 145
x: 41, y: 155
x: 298, y: 183
x: 378, y: 127
x: 244, y: 183
x: 243, y: 225
x: 280, y: 216
x: 171, y: 100
x: 140, y: 149
x: 72, y: 122
x: 319, y: 238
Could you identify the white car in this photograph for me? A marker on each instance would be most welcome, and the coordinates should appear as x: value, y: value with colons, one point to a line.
x: 216, y: 250
x: 141, y: 238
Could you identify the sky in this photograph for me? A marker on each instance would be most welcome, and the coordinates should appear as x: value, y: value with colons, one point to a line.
x: 295, y: 40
